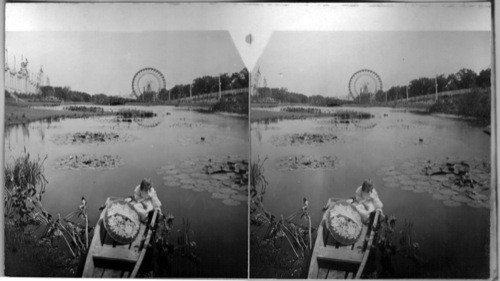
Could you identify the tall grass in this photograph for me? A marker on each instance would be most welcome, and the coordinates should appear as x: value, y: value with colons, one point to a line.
x: 25, y: 184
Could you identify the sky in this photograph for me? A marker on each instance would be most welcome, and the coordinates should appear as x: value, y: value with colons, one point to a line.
x: 323, y: 62
x: 97, y: 47
x: 105, y: 62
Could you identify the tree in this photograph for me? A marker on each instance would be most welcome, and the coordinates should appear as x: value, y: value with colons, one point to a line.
x: 421, y: 86
x: 466, y: 78
x: 441, y: 83
x: 484, y: 78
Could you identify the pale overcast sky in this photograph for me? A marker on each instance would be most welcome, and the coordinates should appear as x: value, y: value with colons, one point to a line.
x: 105, y: 62
x: 323, y: 62
x: 99, y: 46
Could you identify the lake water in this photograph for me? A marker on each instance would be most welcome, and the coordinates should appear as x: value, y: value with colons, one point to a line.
x: 220, y: 230
x: 454, y: 241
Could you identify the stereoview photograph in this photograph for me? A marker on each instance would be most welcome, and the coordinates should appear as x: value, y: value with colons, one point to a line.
x: 126, y: 153
x: 370, y: 155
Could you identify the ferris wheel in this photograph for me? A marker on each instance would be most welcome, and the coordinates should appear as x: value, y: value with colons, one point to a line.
x: 364, y: 81
x: 148, y: 80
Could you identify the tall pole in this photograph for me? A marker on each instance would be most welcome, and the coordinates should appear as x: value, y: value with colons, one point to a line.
x: 436, y: 79
x: 220, y: 92
x: 190, y: 92
x: 406, y: 92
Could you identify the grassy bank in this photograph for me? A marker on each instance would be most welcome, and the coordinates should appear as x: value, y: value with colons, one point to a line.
x: 236, y: 104
x: 476, y: 104
x: 16, y: 114
x: 257, y: 115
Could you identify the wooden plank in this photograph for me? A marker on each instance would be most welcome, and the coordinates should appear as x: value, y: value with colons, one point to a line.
x: 369, y: 245
x: 314, y: 267
x: 349, y: 275
x: 116, y: 254
x: 88, y: 270
x: 335, y: 274
x: 344, y: 255
x: 97, y: 273
x: 146, y: 243
x: 112, y: 273
x: 322, y: 273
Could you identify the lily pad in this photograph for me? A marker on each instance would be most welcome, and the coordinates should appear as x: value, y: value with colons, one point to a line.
x: 200, y: 176
x: 474, y: 204
x: 220, y: 195
x: 460, y: 198
x: 226, y: 190
x: 392, y: 173
x: 172, y: 184
x: 450, y: 203
x: 231, y: 202
x: 239, y: 197
x: 220, y: 177
x: 438, y: 196
x: 419, y: 177
x: 188, y: 181
x: 387, y: 169
x: 485, y: 204
x: 422, y: 183
x: 183, y: 176
x: 447, y: 192
x: 403, y: 177
x: 390, y: 179
x: 187, y: 186
x: 392, y: 184
x: 440, y: 178
x: 159, y: 171
x: 168, y: 167
x: 407, y: 187
x: 479, y: 197
x: 407, y: 182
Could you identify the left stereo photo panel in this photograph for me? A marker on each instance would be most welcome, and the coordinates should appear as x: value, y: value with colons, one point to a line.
x: 126, y: 149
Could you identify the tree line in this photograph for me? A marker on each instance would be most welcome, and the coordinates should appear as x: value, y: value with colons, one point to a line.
x: 203, y: 85
x: 200, y: 85
x: 282, y: 95
x: 463, y: 79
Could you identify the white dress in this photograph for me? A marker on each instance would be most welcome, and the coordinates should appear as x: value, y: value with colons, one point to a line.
x: 146, y: 201
x: 367, y: 203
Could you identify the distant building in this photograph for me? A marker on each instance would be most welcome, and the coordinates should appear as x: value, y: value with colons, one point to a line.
x: 23, y: 81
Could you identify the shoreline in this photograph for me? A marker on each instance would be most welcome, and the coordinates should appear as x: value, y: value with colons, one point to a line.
x: 19, y: 115
x: 25, y: 113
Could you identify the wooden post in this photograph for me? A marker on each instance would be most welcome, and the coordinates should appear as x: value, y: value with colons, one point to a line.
x: 436, y: 79
x: 220, y: 94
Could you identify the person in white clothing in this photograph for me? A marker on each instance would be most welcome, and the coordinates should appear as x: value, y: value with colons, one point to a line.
x: 145, y: 199
x: 367, y: 200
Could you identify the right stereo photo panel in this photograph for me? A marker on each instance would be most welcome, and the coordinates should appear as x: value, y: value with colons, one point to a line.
x: 370, y: 154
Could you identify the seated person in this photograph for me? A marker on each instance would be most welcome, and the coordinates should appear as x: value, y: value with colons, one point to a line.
x: 367, y: 200
x: 145, y: 199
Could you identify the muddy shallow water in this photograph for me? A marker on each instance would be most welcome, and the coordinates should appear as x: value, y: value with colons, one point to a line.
x: 142, y: 148
x: 454, y: 238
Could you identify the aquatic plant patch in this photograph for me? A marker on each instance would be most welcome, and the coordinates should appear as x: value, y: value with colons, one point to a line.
x: 91, y: 138
x: 88, y: 161
x: 303, y: 162
x: 224, y: 177
x: 456, y: 182
x: 304, y: 139
x: 203, y: 140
